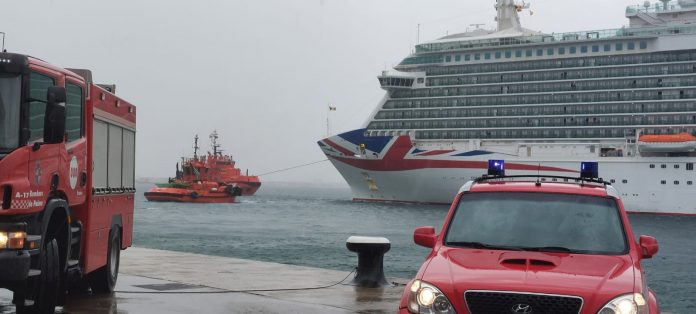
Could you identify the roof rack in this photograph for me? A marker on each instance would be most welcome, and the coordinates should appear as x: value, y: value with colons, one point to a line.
x: 487, y: 178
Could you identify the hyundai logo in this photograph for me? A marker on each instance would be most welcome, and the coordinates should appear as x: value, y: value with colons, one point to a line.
x: 522, y: 308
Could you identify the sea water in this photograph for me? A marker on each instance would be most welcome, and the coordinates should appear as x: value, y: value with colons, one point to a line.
x: 307, y: 224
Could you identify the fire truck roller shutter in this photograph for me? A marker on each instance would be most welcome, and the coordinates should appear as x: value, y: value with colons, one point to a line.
x: 113, y: 157
x: 100, y: 152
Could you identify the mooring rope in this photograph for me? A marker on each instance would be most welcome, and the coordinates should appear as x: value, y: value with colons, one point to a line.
x: 291, y: 168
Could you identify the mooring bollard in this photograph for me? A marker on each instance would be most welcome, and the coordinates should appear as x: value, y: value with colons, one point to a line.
x: 370, y: 260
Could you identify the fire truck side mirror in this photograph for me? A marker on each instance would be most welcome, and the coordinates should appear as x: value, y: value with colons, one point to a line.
x: 54, y: 120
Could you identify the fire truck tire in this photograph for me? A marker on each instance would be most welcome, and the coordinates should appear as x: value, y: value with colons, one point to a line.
x: 45, y: 294
x: 104, y: 279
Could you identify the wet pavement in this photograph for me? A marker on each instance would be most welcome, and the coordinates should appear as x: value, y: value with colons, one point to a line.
x: 155, y: 281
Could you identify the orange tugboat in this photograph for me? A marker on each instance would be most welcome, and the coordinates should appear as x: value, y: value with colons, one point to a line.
x: 220, y: 168
x: 205, y: 179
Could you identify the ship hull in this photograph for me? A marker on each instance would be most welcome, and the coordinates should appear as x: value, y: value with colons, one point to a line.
x: 392, y: 169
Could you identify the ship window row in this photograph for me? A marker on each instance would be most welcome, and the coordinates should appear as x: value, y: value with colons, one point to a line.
x: 534, y: 133
x: 627, y: 59
x: 395, y: 82
x: 689, y: 166
x: 676, y: 182
x: 523, y: 134
x: 575, y: 74
x: 540, y: 52
x: 581, y: 109
x: 525, y: 88
x: 535, y: 122
x: 534, y: 99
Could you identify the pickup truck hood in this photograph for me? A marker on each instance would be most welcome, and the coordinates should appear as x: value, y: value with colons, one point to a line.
x: 595, y: 278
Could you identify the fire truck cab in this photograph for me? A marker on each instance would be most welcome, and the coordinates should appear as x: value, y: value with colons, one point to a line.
x: 67, y: 182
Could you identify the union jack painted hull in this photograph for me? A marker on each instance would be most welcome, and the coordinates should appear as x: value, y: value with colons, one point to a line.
x: 393, y: 169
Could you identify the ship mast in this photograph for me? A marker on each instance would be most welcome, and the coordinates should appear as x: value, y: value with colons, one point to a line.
x: 507, y: 14
x: 195, y: 147
x: 216, y: 147
x: 665, y: 4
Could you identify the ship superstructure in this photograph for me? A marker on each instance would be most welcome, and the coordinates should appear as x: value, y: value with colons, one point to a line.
x: 542, y: 101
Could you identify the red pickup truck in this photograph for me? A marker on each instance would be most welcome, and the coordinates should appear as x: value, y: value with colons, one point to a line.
x: 529, y: 245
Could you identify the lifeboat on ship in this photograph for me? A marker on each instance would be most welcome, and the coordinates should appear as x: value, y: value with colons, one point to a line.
x: 671, y: 143
x: 201, y: 192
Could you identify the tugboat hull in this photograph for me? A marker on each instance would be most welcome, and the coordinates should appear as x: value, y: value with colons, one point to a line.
x: 157, y: 194
x: 248, y: 188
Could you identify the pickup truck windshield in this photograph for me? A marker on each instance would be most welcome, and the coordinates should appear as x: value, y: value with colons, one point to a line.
x: 10, y: 88
x: 543, y: 222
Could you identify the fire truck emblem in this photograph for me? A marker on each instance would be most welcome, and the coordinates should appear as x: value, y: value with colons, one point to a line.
x: 73, y: 172
x: 37, y: 173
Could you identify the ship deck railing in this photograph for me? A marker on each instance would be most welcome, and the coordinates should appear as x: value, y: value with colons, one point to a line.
x: 656, y: 8
x: 624, y: 32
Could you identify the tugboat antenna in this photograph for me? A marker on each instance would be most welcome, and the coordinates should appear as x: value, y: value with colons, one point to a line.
x: 3, y: 42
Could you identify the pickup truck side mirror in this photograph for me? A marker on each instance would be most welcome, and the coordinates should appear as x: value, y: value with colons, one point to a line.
x: 649, y: 246
x: 54, y: 119
x: 425, y: 236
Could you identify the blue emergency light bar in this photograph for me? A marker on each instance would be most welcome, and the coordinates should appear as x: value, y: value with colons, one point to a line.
x: 589, y: 170
x: 496, y: 168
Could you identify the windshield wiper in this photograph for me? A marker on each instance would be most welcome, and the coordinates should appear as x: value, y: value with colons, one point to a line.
x: 553, y: 249
x: 479, y: 245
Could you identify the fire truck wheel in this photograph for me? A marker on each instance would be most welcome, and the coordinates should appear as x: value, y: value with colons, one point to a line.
x: 45, y: 287
x: 104, y: 279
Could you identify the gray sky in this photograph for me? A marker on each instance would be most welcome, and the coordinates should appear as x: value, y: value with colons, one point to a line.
x: 261, y: 72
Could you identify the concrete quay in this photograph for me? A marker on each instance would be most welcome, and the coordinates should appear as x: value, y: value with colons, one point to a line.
x: 175, y: 282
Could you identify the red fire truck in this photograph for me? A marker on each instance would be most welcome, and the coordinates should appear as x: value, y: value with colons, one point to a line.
x: 67, y: 181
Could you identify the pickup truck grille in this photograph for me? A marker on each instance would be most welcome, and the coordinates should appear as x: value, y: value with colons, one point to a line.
x: 503, y: 302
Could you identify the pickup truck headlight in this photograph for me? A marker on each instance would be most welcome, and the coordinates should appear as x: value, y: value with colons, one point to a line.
x: 633, y: 303
x: 424, y: 298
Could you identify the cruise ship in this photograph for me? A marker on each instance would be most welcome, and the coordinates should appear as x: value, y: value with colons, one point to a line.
x: 544, y: 103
